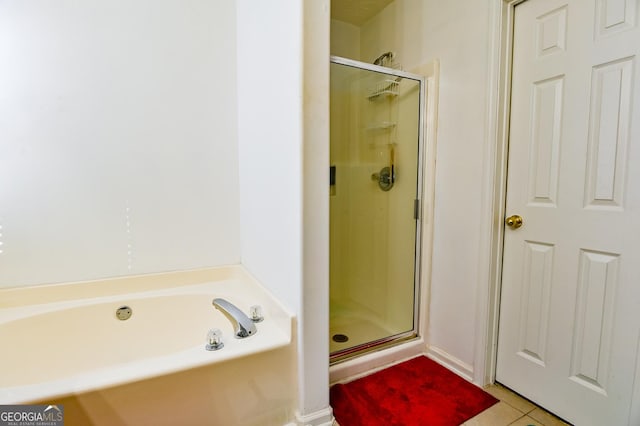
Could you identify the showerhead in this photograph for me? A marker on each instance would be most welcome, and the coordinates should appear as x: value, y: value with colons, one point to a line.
x: 383, y: 59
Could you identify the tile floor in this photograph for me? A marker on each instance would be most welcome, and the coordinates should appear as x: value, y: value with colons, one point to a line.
x: 512, y: 410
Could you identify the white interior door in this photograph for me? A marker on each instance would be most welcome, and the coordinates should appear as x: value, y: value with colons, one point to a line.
x: 570, y: 307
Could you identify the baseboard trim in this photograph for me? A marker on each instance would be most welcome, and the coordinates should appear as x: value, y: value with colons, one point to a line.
x: 322, y: 417
x: 449, y: 361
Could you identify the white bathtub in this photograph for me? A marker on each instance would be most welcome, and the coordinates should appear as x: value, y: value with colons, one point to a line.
x: 64, y: 344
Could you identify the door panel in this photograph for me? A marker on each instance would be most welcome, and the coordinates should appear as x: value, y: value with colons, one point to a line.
x: 570, y: 305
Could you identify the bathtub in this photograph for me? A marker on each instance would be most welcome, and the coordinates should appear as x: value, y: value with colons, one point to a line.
x: 64, y: 344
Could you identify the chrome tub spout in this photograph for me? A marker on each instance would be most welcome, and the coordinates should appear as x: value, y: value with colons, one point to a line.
x: 243, y: 326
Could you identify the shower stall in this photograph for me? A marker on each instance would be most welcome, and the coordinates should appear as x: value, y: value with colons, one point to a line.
x: 377, y: 122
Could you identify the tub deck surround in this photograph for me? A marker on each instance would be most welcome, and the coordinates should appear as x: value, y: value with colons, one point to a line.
x: 65, y: 339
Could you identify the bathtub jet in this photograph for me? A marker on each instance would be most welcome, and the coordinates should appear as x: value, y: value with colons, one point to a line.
x: 243, y: 326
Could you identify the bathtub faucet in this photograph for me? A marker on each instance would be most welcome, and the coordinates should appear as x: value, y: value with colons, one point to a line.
x: 243, y: 326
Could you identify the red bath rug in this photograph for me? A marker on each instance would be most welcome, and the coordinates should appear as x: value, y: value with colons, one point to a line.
x: 418, y: 392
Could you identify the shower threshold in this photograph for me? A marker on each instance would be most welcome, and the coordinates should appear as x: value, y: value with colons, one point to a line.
x: 346, y: 354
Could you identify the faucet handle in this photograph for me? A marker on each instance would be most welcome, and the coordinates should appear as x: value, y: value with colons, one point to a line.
x: 255, y: 313
x: 214, y: 340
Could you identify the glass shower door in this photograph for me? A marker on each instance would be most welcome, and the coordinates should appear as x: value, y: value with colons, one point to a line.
x: 375, y: 184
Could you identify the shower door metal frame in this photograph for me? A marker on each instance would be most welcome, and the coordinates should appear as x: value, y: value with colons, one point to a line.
x: 350, y: 353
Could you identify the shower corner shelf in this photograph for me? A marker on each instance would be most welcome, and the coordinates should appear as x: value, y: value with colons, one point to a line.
x: 383, y: 125
x: 384, y: 88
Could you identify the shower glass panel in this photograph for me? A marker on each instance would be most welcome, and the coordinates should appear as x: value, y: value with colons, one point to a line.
x: 375, y: 184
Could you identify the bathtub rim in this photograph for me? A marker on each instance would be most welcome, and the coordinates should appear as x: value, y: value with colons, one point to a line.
x: 110, y: 286
x: 54, y: 297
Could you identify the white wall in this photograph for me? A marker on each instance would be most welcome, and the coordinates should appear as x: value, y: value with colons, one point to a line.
x: 283, y: 150
x: 314, y: 406
x: 457, y: 34
x: 118, y: 146
x: 269, y: 37
x: 345, y: 40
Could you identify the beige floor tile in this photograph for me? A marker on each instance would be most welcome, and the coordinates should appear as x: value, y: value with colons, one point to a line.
x: 526, y: 421
x: 501, y: 414
x: 511, y: 398
x: 545, y: 418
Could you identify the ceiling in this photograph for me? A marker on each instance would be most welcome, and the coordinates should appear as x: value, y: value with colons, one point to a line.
x: 356, y: 12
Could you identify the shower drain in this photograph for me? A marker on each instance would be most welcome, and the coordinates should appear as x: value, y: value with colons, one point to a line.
x: 340, y: 338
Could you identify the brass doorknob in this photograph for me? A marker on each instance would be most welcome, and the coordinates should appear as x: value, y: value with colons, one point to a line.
x: 514, y: 222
